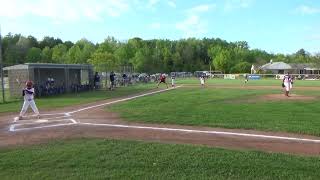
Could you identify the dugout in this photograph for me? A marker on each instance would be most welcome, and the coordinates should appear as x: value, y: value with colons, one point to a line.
x: 63, y: 77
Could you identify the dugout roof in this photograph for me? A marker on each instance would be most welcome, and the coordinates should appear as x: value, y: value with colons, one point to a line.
x: 48, y: 66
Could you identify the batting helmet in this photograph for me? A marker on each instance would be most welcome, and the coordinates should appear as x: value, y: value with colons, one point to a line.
x: 29, y: 84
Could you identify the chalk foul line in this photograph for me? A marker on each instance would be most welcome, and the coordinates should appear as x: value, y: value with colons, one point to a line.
x: 73, y: 122
x: 121, y: 100
x: 13, y: 128
x: 206, y: 132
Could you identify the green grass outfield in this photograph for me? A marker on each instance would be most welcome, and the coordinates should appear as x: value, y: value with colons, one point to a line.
x: 74, y: 99
x: 114, y: 159
x: 240, y: 82
x: 6, y: 95
x: 226, y: 108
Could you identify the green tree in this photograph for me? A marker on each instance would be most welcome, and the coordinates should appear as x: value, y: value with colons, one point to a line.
x: 46, y: 55
x: 139, y: 60
x: 50, y: 42
x: 87, y: 51
x: 34, y: 55
x: 69, y: 44
x: 103, y: 58
x: 124, y: 54
x: 74, y: 55
x: 59, y: 53
x: 241, y: 67
x: 21, y: 48
x: 103, y: 62
x: 223, y: 61
x: 33, y: 41
x: 177, y: 62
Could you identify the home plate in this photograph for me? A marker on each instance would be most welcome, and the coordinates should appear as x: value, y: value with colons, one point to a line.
x: 41, y: 121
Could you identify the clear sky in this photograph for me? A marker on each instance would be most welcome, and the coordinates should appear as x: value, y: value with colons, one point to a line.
x: 278, y: 26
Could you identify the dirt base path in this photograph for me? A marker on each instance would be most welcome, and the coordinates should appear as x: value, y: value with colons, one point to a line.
x: 92, y: 121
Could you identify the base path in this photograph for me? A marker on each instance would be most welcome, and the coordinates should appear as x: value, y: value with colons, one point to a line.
x: 91, y: 120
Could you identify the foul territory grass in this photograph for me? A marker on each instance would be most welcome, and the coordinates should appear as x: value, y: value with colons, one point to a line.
x: 74, y: 99
x: 226, y: 108
x: 114, y: 159
x: 240, y: 82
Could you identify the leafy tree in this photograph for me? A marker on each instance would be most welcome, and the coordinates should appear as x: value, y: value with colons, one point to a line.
x: 34, y: 55
x: 21, y: 48
x: 33, y: 41
x: 50, y: 42
x: 46, y: 55
x: 59, y: 53
x: 87, y: 49
x: 139, y: 60
x: 74, y: 55
x: 223, y: 61
x: 103, y: 58
x: 69, y: 44
x: 155, y: 55
x: 302, y: 53
x: 242, y: 67
x: 103, y: 61
x: 177, y: 62
x: 124, y: 54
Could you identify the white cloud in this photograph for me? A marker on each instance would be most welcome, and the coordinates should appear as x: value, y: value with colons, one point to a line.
x: 303, y: 9
x: 62, y: 10
x: 172, y: 4
x: 202, y: 8
x: 237, y: 4
x: 155, y: 25
x: 192, y: 26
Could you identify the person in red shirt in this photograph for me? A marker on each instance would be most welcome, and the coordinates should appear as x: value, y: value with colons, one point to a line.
x: 162, y: 80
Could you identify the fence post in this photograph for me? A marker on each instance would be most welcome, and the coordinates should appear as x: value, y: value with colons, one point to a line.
x: 1, y: 69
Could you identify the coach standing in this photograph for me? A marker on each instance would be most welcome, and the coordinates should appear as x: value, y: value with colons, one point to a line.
x: 112, y: 83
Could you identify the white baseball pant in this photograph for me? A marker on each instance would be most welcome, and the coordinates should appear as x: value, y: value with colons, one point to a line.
x: 25, y: 106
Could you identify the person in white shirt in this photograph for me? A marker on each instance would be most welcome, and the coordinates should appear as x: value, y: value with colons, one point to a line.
x: 173, y: 78
x: 202, y: 81
x: 287, y: 84
x: 28, y: 96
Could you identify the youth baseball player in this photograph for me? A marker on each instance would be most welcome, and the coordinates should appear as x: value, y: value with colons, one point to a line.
x: 287, y: 84
x: 28, y: 96
x: 202, y: 81
x: 162, y: 80
x: 173, y: 79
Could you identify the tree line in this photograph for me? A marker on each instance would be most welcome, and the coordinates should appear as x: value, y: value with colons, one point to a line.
x: 157, y: 55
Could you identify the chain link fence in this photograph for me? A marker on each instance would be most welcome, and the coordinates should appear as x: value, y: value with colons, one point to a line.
x: 4, y: 93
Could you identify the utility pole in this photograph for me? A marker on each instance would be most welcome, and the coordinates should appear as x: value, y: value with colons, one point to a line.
x: 1, y: 69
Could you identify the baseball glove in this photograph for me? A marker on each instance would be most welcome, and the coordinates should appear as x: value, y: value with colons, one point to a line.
x: 283, y: 85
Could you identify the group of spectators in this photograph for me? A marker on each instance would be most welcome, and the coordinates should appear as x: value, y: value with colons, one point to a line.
x: 49, y: 88
x: 125, y: 80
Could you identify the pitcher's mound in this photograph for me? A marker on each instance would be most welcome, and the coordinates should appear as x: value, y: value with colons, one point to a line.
x: 296, y: 97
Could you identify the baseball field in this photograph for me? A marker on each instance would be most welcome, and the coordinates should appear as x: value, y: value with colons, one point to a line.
x: 226, y: 130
